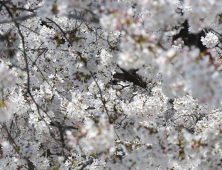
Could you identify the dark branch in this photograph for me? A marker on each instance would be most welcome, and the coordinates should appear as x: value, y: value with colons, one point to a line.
x: 130, y: 76
x: 21, y: 18
x: 93, y: 20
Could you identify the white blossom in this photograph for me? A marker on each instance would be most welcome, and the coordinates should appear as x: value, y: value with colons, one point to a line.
x: 210, y: 41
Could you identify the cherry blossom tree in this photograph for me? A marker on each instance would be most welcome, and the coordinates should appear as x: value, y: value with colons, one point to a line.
x: 110, y: 84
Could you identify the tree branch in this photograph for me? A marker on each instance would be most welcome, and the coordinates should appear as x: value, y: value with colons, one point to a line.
x: 93, y: 20
x: 20, y: 18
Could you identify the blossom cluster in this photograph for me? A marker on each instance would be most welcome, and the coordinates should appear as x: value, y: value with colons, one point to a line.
x: 107, y: 84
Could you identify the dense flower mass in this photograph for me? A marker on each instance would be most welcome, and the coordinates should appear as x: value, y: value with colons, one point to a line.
x: 110, y: 84
x: 210, y: 41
